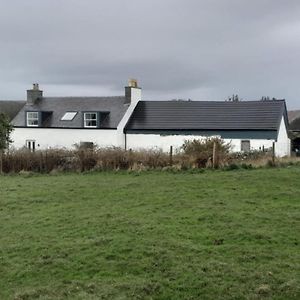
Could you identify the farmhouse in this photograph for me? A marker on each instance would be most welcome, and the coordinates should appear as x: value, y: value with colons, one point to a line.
x: 131, y: 123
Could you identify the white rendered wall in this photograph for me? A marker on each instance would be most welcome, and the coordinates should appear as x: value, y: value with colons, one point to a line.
x: 283, y: 144
x: 63, y: 138
x: 156, y: 141
x: 136, y: 96
x: 255, y: 144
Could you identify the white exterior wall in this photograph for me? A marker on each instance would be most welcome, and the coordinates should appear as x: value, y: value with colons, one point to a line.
x: 63, y: 138
x: 283, y: 144
x: 255, y: 144
x: 162, y: 142
x: 136, y: 96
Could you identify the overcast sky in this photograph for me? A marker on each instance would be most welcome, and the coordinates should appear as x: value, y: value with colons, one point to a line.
x: 202, y: 50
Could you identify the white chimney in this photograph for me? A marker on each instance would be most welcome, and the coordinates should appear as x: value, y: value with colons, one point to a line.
x: 132, y: 92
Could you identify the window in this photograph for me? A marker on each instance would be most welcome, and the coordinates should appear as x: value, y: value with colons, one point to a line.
x: 30, y: 145
x: 91, y: 119
x: 32, y: 118
x: 245, y: 146
x: 69, y: 116
x: 86, y: 145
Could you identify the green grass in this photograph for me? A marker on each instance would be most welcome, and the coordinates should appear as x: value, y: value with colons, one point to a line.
x: 153, y: 235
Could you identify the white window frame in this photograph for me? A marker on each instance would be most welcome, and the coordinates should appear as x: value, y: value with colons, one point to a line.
x: 85, y: 119
x: 32, y: 118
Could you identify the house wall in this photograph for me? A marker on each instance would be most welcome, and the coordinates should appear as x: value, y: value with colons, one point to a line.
x: 120, y: 129
x: 163, y: 142
x: 63, y: 138
x: 66, y: 138
x: 283, y: 144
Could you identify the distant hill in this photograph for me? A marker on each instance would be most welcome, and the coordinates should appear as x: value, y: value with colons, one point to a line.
x: 293, y: 114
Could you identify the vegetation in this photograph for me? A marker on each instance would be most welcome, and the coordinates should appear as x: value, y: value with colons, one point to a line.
x: 151, y: 235
x: 197, y: 153
x: 200, y: 152
x: 5, y: 131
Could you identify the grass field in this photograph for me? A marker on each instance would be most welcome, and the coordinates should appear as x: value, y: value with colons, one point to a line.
x: 153, y: 235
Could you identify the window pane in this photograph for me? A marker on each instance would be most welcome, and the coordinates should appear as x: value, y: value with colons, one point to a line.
x: 32, y: 118
x: 32, y: 115
x: 90, y: 119
x: 69, y: 116
x: 32, y: 122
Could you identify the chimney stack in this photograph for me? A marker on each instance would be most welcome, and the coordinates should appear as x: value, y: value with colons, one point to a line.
x: 34, y: 94
x: 133, y: 93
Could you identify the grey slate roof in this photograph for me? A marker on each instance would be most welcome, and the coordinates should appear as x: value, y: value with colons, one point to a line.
x: 207, y: 115
x: 58, y: 106
x: 10, y: 107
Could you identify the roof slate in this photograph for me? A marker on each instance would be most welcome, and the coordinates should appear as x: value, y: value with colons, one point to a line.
x: 58, y: 106
x: 10, y: 107
x: 207, y: 115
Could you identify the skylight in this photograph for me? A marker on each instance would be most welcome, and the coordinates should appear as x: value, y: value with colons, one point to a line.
x: 69, y: 116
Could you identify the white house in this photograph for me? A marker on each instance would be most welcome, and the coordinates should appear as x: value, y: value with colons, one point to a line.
x: 128, y: 122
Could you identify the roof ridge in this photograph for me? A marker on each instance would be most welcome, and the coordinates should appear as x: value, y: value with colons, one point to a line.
x: 215, y: 101
x: 79, y: 97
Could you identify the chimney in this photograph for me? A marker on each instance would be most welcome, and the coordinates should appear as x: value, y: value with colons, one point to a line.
x: 34, y: 94
x: 132, y: 92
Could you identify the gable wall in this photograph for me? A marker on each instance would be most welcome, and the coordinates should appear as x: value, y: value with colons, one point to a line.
x: 283, y: 144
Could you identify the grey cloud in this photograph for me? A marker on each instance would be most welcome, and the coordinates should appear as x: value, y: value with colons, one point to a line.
x: 194, y: 49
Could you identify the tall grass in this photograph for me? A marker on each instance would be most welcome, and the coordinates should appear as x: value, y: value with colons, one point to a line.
x: 81, y: 160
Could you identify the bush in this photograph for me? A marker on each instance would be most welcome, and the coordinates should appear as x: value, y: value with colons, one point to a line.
x: 200, y: 151
x: 196, y: 154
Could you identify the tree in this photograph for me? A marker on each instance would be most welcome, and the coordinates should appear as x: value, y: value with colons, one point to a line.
x: 234, y: 98
x: 267, y: 98
x: 5, y: 139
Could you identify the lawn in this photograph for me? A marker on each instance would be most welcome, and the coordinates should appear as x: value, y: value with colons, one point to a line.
x: 151, y: 235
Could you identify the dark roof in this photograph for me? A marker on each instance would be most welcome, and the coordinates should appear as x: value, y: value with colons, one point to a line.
x: 207, y: 115
x: 10, y: 107
x: 112, y: 107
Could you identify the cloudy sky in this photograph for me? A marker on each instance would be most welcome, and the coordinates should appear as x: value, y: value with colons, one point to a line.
x: 202, y: 50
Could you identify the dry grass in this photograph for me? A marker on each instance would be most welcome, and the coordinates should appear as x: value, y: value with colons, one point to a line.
x: 101, y: 159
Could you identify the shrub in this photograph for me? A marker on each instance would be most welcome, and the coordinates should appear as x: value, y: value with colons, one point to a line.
x: 200, y: 151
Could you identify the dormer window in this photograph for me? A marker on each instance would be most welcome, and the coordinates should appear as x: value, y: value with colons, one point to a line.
x: 90, y: 120
x: 32, y: 118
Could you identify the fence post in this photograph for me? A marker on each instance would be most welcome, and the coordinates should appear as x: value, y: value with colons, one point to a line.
x: 214, y: 155
x: 1, y: 162
x: 171, y: 155
x: 273, y: 153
